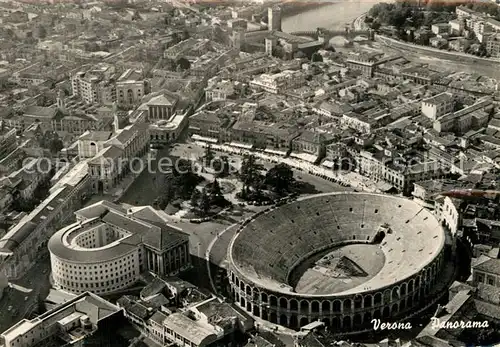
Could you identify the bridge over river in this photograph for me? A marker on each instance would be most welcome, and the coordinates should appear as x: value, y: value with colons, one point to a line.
x: 328, y: 34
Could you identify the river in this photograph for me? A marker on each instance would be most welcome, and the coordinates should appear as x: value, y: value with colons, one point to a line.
x: 333, y: 17
x: 337, y: 15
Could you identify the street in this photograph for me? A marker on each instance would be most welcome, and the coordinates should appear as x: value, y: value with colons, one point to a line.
x: 149, y: 184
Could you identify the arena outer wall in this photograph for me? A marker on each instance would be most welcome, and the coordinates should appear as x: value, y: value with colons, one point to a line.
x: 413, y: 288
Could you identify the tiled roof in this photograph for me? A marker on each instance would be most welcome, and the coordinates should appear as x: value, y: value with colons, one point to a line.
x: 40, y: 111
x: 490, y: 266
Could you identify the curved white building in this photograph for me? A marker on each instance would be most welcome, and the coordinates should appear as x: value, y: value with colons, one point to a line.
x: 109, y: 247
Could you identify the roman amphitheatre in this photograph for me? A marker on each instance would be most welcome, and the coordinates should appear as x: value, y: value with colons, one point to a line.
x: 342, y: 258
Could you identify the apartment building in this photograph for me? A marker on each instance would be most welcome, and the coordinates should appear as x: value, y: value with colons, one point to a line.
x: 399, y: 172
x: 438, y: 105
x: 279, y: 82
x: 95, y: 85
x: 493, y: 45
x: 471, y: 117
x: 22, y: 244
x: 111, y: 159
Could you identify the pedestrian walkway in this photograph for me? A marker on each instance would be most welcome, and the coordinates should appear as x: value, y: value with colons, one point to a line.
x: 351, y: 179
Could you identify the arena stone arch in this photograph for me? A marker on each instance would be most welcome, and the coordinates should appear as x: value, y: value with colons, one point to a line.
x: 347, y: 305
x: 264, y: 297
x: 325, y: 306
x: 283, y: 303
x: 387, y: 296
x: 337, y: 306
x: 358, y: 301
x: 294, y: 321
x: 294, y: 305
x: 411, y: 286
x: 304, y: 305
x: 367, y: 301
x: 258, y: 295
x: 395, y: 293
x: 402, y: 289
x: 273, y: 301
x: 315, y: 306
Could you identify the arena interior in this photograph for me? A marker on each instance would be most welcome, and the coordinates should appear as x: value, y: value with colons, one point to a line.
x: 342, y: 258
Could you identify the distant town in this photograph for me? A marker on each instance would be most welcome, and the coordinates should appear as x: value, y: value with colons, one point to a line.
x: 178, y: 173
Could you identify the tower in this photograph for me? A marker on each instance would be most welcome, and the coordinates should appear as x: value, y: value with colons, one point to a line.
x: 238, y: 37
x: 116, y: 120
x: 274, y: 18
x: 61, y: 105
x: 270, y: 45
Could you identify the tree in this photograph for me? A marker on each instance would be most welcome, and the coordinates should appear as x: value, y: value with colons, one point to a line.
x: 175, y: 38
x: 411, y: 36
x: 221, y: 166
x: 183, y: 180
x: 316, y: 57
x: 279, y: 52
x: 56, y: 145
x: 280, y: 178
x: 168, y: 194
x: 205, y: 203
x: 249, y: 173
x: 195, y: 197
x: 481, y: 51
x: 20, y: 204
x: 215, y: 191
x: 183, y: 64
x: 375, y: 25
x: 224, y: 171
x: 208, y: 156
x: 299, y: 55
